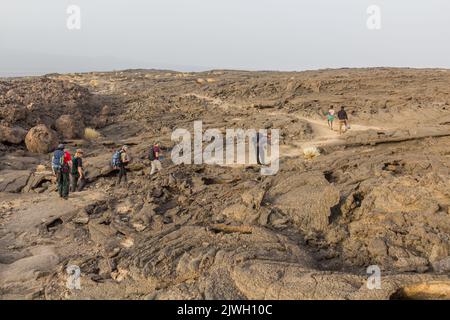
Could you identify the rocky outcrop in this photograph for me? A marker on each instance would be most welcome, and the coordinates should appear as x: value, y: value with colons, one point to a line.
x: 13, y: 114
x: 394, y: 217
x: 40, y: 181
x: 69, y: 127
x: 41, y: 139
x: 12, y: 135
x: 13, y: 180
x: 307, y: 198
x: 42, y: 100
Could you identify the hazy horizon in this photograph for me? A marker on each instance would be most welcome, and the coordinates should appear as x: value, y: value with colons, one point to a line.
x: 200, y: 35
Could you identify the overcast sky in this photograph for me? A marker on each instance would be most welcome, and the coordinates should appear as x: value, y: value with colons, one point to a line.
x: 231, y: 34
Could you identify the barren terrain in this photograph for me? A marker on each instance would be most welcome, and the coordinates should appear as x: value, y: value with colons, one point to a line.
x: 377, y: 195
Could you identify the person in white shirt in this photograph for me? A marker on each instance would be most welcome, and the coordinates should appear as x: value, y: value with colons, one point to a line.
x: 330, y: 117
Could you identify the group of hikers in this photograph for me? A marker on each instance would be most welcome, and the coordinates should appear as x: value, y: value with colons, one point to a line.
x: 342, y: 117
x: 121, y: 159
x: 70, y: 174
x: 69, y: 170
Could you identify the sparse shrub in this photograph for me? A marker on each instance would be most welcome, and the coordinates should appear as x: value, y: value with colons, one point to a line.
x: 310, y: 153
x: 91, y: 134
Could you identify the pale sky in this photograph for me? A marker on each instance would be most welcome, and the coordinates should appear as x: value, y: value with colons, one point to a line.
x: 192, y: 35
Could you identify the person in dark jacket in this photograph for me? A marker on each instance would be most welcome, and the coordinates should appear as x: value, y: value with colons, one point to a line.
x: 343, y: 119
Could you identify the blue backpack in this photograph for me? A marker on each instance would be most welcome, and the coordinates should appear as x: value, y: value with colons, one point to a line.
x: 58, y: 159
x: 116, y: 161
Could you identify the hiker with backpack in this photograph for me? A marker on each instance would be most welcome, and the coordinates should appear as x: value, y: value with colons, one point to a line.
x: 77, y: 173
x: 61, y: 166
x: 343, y: 119
x: 120, y: 161
x: 154, y: 156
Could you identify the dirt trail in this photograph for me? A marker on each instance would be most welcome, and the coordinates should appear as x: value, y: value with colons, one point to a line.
x: 323, y: 136
x: 322, y: 133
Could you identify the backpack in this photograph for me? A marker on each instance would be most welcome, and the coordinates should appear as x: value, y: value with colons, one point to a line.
x: 116, y: 159
x: 151, y: 154
x: 58, y: 159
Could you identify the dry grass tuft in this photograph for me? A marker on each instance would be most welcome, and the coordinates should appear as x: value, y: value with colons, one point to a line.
x: 91, y: 134
x: 311, y: 153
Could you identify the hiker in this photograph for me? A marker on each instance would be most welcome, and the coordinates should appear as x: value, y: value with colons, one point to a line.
x: 61, y: 166
x: 120, y: 161
x: 343, y: 119
x: 155, y: 156
x: 330, y: 117
x: 56, y: 159
x: 77, y: 173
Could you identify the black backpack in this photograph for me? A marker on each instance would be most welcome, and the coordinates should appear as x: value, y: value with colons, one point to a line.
x: 151, y: 154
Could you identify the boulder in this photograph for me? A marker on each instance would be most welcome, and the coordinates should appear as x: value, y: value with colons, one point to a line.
x: 103, y: 119
x: 13, y: 114
x: 13, y: 180
x: 13, y: 135
x: 100, y: 122
x: 38, y: 179
x: 41, y: 139
x: 98, y: 166
x: 69, y: 127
